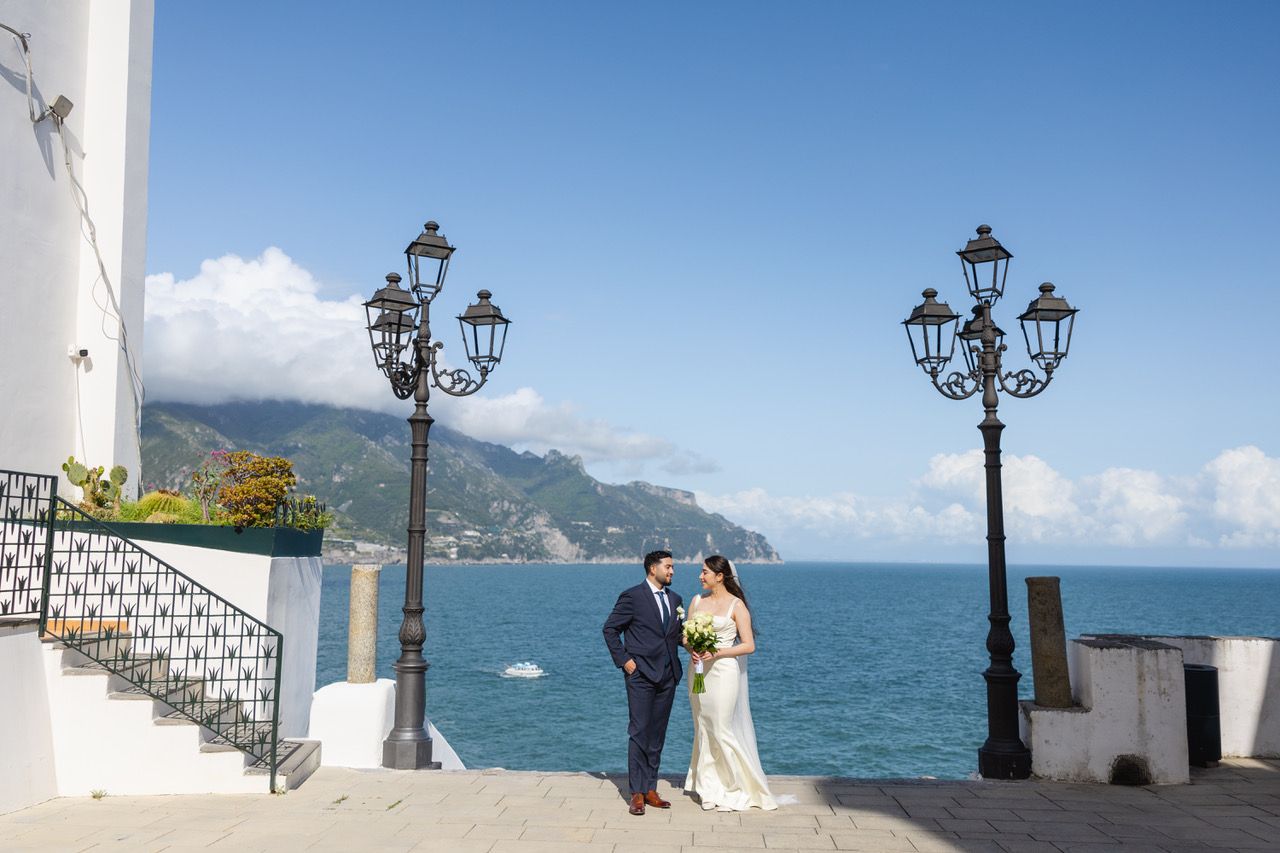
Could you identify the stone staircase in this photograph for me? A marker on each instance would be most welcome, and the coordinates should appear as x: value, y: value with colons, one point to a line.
x: 134, y: 741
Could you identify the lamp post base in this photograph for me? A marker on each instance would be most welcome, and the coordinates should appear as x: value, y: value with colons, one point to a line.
x: 1004, y: 764
x: 408, y: 755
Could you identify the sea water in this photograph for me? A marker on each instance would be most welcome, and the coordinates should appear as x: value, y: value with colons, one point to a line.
x: 865, y: 670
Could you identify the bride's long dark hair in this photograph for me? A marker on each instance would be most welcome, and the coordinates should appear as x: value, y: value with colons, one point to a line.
x: 721, y: 566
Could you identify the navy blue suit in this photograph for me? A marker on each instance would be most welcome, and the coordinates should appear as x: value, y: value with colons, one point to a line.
x: 651, y: 689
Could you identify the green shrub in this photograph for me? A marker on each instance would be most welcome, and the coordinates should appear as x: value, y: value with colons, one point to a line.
x: 207, y: 480
x: 253, y: 486
x: 304, y: 513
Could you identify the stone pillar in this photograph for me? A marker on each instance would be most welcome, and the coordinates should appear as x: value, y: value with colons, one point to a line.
x: 1048, y: 643
x: 362, y: 625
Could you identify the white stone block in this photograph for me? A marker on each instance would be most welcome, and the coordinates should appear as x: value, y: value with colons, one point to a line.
x: 1132, y: 702
x: 352, y: 721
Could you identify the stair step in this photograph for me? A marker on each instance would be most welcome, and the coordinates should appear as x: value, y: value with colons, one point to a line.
x: 117, y: 629
x: 296, y: 760
x: 135, y: 692
x: 209, y: 708
x: 251, y: 733
x: 220, y: 744
x: 124, y: 670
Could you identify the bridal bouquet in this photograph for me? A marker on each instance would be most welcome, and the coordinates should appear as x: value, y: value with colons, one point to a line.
x: 700, y: 637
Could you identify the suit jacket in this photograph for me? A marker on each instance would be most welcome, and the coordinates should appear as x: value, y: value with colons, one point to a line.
x: 637, y: 618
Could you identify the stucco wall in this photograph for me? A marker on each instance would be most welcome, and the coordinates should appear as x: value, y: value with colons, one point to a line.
x: 1248, y: 689
x: 1131, y: 704
x: 26, y: 739
x: 99, y: 56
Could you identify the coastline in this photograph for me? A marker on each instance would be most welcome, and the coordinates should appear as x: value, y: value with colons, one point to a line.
x: 398, y: 556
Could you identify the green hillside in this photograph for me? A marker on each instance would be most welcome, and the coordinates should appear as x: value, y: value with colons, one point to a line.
x: 485, y: 501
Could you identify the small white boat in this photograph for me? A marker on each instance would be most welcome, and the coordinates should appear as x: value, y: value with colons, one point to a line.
x: 527, y: 669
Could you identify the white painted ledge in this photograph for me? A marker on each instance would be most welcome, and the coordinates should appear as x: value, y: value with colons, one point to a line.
x: 352, y: 721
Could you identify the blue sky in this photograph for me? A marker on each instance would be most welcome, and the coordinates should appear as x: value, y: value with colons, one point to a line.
x: 708, y: 220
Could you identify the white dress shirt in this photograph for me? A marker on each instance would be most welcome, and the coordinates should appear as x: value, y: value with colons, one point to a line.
x: 660, y: 593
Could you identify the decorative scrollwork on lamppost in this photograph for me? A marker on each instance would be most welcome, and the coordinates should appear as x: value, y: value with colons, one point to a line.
x: 400, y: 335
x: 1046, y: 328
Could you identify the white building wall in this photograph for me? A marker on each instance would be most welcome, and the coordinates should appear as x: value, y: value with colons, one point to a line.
x: 99, y: 56
x: 26, y: 738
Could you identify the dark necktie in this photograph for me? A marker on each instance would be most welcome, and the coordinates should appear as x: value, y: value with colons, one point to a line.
x: 666, y: 614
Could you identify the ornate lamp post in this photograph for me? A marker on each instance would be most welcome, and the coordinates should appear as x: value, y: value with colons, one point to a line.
x: 1046, y: 328
x: 400, y: 319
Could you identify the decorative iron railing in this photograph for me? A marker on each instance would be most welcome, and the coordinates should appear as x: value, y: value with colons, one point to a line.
x: 26, y: 504
x: 169, y: 637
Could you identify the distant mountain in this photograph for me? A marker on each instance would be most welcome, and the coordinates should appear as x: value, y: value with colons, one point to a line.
x: 485, y: 501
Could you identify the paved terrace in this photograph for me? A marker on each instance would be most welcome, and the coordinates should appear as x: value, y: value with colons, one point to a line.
x: 1233, y: 807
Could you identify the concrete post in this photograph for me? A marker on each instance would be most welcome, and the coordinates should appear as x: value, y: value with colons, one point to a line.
x: 1048, y: 643
x: 362, y: 625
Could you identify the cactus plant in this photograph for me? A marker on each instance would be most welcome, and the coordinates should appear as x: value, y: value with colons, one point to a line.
x: 161, y: 501
x: 100, y: 497
x: 76, y: 472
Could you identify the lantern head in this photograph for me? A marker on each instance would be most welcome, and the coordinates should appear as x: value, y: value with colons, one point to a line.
x: 484, y: 333
x: 971, y: 333
x: 986, y: 265
x: 428, y: 256
x: 1046, y: 327
x: 392, y: 316
x: 931, y: 329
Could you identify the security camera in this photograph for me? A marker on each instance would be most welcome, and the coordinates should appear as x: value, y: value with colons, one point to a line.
x: 77, y: 354
x: 61, y: 107
x: 83, y: 353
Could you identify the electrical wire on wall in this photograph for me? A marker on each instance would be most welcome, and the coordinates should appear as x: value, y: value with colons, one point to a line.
x: 57, y: 113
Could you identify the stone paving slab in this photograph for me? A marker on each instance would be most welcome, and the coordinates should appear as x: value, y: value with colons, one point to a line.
x: 1235, y: 807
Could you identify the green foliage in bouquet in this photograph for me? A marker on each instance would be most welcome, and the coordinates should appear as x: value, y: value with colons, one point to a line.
x: 700, y: 636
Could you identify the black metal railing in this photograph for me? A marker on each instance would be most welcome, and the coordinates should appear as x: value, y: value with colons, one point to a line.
x: 26, y: 510
x: 141, y: 619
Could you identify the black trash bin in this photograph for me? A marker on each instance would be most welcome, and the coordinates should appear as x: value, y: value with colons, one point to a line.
x: 1204, y: 726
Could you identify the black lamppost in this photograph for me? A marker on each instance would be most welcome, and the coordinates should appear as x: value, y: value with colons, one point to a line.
x: 1046, y: 328
x: 399, y: 318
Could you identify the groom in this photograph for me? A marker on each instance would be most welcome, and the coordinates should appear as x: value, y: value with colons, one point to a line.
x: 649, y: 615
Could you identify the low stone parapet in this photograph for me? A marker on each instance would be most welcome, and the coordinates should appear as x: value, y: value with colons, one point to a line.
x: 1129, y: 725
x: 1248, y: 689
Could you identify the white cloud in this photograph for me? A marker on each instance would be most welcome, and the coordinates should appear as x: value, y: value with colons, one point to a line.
x: 252, y: 330
x: 526, y: 421
x: 1246, y: 497
x: 257, y: 329
x: 1234, y: 501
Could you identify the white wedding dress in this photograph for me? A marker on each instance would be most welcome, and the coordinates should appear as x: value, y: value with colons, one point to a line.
x: 724, y: 770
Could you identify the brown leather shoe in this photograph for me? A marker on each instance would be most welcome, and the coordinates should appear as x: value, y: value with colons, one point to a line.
x: 657, y: 802
x: 637, y: 804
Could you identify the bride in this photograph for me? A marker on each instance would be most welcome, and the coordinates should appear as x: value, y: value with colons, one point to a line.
x: 724, y: 770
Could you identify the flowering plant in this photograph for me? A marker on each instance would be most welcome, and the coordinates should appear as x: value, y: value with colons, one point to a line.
x: 700, y: 637
x: 680, y: 612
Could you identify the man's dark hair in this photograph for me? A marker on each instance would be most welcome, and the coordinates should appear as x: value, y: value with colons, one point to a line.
x: 653, y: 558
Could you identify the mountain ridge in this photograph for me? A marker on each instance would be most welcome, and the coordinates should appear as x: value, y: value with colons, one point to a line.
x: 485, y: 501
